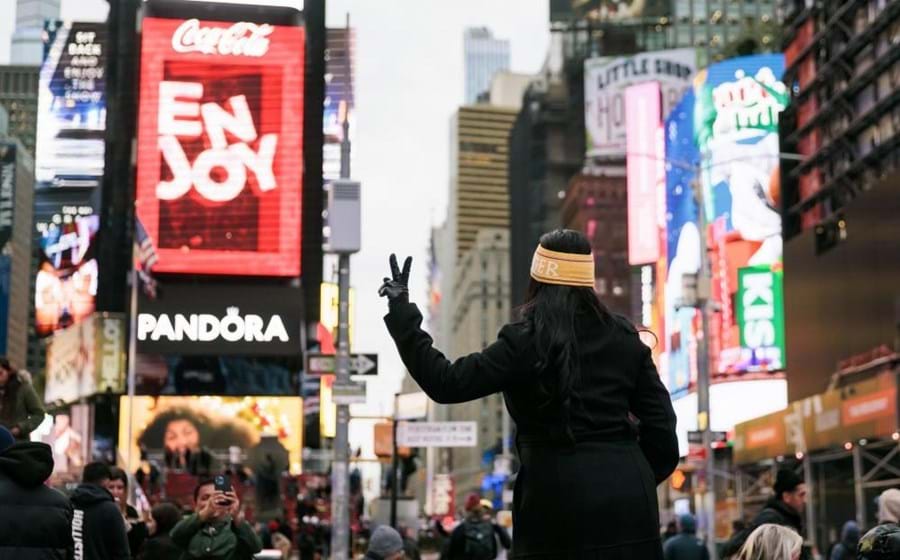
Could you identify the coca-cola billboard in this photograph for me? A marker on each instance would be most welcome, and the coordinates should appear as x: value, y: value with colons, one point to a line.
x: 220, y: 152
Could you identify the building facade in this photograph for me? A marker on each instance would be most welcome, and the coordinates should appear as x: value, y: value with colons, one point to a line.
x: 839, y: 203
x: 485, y: 55
x: 27, y: 40
x: 19, y: 96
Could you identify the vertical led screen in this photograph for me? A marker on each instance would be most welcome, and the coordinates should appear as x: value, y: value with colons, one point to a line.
x: 71, y: 106
x: 723, y: 138
x: 65, y: 286
x: 642, y: 113
x: 220, y: 146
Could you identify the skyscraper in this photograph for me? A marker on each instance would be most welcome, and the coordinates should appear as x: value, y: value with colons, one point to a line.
x: 27, y: 42
x: 484, y: 57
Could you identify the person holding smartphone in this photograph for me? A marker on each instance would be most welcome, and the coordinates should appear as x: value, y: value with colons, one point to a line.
x: 217, y: 529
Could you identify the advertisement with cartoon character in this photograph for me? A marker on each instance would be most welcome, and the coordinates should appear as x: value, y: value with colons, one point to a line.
x: 723, y: 137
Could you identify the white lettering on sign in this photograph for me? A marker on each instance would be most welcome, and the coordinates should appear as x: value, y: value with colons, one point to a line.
x: 240, y: 39
x: 867, y: 408
x: 759, y: 310
x: 205, y: 327
x: 437, y: 434
x: 182, y: 116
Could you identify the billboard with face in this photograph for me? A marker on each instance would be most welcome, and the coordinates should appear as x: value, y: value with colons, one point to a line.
x: 66, y: 225
x: 71, y: 106
x: 172, y: 426
x: 220, y: 146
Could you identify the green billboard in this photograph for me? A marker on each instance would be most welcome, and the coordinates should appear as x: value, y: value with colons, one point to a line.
x: 760, y: 317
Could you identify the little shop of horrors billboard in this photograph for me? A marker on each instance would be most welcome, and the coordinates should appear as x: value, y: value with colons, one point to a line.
x: 220, y: 146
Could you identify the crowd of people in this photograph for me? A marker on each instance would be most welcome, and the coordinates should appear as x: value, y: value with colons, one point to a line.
x: 776, y: 533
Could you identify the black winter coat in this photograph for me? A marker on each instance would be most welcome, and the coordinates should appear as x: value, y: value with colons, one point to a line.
x: 775, y: 512
x: 35, y: 520
x: 595, y: 498
x: 98, y: 527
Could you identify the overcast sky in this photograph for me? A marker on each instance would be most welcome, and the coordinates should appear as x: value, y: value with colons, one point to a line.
x: 409, y: 82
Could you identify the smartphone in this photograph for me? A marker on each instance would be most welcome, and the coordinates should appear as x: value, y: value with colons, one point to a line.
x: 222, y: 484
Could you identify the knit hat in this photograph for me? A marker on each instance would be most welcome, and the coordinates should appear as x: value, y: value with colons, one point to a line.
x: 6, y: 439
x: 889, y: 506
x: 385, y: 541
x: 786, y: 481
x: 473, y: 500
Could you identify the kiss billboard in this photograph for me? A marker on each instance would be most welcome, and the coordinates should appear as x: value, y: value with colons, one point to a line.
x: 220, y: 152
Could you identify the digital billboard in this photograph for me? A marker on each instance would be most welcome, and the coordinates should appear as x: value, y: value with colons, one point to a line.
x: 605, y: 82
x: 173, y: 425
x: 723, y: 139
x: 644, y: 171
x: 220, y: 146
x: 339, y: 98
x: 71, y: 106
x: 7, y: 191
x: 217, y: 320
x: 65, y: 286
x: 85, y: 359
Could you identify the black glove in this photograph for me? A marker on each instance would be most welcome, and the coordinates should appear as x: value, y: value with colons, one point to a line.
x: 396, y: 289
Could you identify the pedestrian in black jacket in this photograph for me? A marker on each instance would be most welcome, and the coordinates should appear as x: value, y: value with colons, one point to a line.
x: 686, y: 545
x: 160, y: 546
x: 573, y: 375
x: 785, y: 508
x: 98, y: 527
x: 35, y: 521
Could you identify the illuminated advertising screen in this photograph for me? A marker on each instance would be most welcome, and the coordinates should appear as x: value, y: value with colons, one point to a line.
x: 71, y: 106
x: 65, y: 286
x: 726, y: 129
x: 217, y: 320
x: 220, y: 155
x: 339, y: 98
x: 644, y: 169
x: 85, y: 359
x: 173, y: 425
x: 605, y: 82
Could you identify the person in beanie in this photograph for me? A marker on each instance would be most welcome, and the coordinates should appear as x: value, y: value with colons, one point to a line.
x: 846, y: 549
x: 473, y: 539
x: 385, y: 544
x: 785, y: 508
x: 35, y: 520
x: 586, y: 399
x: 21, y: 411
x: 685, y: 545
x: 98, y: 527
x: 883, y: 542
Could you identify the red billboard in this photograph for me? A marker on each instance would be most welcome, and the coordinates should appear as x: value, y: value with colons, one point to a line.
x: 220, y: 146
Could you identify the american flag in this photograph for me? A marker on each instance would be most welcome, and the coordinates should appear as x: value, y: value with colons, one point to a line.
x: 145, y: 258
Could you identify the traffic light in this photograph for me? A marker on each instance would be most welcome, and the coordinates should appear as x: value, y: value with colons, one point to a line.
x: 680, y: 481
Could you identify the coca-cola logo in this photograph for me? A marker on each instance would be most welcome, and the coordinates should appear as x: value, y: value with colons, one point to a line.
x: 240, y: 39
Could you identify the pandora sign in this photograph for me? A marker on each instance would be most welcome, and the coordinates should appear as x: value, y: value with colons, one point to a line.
x: 220, y: 152
x: 220, y: 320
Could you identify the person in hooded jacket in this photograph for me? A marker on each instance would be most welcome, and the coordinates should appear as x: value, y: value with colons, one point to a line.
x: 98, y: 527
x: 785, y: 508
x: 574, y: 377
x: 21, y: 411
x: 685, y: 545
x: 846, y: 548
x: 163, y: 518
x: 883, y: 541
x: 35, y: 520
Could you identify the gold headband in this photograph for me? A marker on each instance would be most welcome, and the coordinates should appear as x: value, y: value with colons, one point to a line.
x: 563, y: 269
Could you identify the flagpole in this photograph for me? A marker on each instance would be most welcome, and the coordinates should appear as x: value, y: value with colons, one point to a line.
x: 132, y: 351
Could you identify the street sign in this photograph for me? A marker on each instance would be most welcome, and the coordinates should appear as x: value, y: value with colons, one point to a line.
x: 360, y: 364
x: 438, y: 434
x: 715, y: 437
x: 412, y: 406
x: 348, y: 393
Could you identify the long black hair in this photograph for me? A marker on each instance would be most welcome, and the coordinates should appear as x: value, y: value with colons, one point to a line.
x: 551, y: 312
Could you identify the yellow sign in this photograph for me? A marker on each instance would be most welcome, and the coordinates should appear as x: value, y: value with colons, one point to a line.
x: 327, y: 408
x: 329, y: 310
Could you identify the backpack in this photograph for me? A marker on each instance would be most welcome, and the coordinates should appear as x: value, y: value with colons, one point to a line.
x: 480, y: 544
